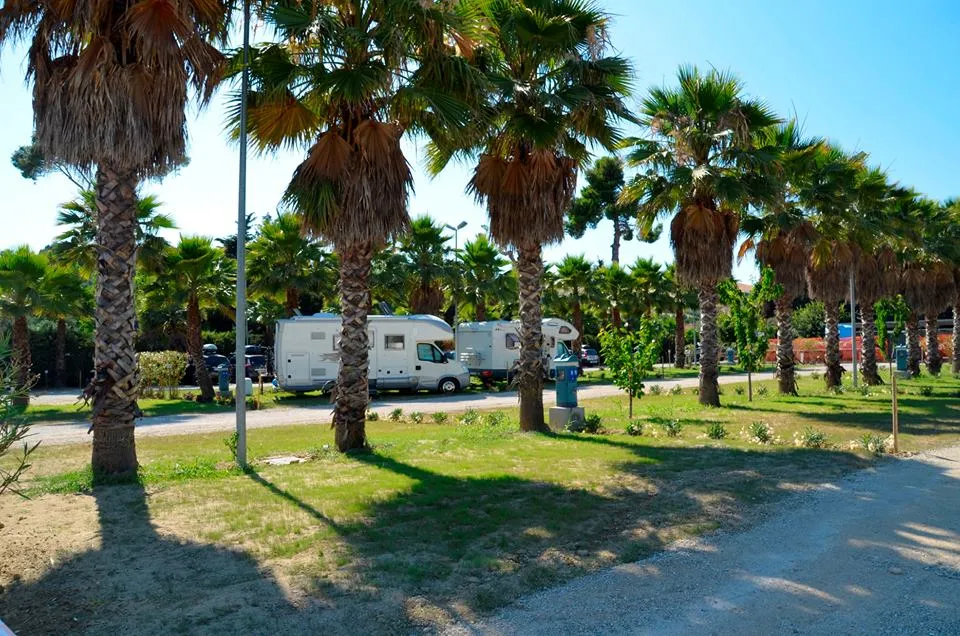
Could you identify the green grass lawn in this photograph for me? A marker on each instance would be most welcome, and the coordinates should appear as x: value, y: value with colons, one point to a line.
x: 452, y: 519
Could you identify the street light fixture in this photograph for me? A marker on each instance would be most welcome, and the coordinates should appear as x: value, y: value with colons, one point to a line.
x: 456, y: 256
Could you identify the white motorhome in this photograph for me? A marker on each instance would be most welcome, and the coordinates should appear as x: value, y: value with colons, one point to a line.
x: 491, y: 349
x: 403, y: 354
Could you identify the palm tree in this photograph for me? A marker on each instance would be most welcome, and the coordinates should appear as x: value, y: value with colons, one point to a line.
x: 952, y: 237
x: 198, y: 276
x: 346, y: 81
x: 25, y: 292
x: 704, y: 167
x: 284, y: 263
x: 483, y: 278
x: 78, y: 241
x: 650, y: 287
x: 423, y: 246
x: 111, y: 81
x: 71, y: 297
x: 575, y: 282
x: 616, y: 293
x: 553, y: 91
x: 780, y: 235
x: 680, y: 298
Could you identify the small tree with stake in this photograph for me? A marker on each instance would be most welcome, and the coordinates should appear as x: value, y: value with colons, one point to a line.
x: 631, y: 355
x: 746, y: 310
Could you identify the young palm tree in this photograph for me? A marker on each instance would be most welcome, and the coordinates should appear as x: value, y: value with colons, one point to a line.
x: 78, y: 241
x: 110, y: 86
x: 780, y: 235
x: 25, y: 292
x: 198, y: 276
x: 680, y: 298
x: 71, y: 297
x: 575, y: 282
x: 346, y: 81
x: 283, y: 263
x: 553, y: 92
x: 423, y: 246
x: 483, y: 275
x: 616, y: 293
x: 703, y: 166
x: 651, y: 290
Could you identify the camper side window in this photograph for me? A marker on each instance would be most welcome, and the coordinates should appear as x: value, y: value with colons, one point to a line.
x: 393, y: 343
x: 513, y: 342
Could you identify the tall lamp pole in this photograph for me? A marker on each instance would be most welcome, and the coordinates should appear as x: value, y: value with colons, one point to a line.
x: 456, y: 255
x: 241, y: 324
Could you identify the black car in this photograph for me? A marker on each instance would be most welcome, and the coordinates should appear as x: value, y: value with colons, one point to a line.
x: 256, y: 365
x: 212, y: 362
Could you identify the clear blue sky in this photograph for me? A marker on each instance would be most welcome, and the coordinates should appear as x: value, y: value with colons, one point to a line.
x: 879, y: 76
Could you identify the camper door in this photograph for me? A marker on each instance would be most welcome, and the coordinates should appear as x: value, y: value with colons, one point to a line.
x: 394, y: 354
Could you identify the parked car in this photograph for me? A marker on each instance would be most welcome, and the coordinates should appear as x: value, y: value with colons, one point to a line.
x: 212, y: 362
x: 589, y: 358
x: 251, y: 369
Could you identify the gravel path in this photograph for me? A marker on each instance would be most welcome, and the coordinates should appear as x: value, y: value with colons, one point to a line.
x: 320, y: 412
x: 876, y: 553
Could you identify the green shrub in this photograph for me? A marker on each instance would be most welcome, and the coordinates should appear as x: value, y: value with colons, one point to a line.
x: 676, y: 390
x: 761, y: 432
x: 762, y: 390
x: 655, y: 389
x: 593, y: 423
x: 926, y: 390
x: 716, y: 430
x: 416, y: 417
x: 469, y: 417
x: 810, y: 437
x: 864, y: 390
x: 814, y: 375
x: 493, y: 419
x: 396, y: 415
x: 372, y: 416
x: 634, y: 428
x: 673, y: 428
x: 231, y: 441
x: 439, y: 417
x: 739, y: 390
x: 873, y: 443
x: 162, y: 371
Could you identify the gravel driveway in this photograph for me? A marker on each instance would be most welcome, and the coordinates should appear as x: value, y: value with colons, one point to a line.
x: 877, y: 553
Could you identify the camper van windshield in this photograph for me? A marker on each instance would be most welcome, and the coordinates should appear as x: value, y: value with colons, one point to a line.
x: 429, y: 353
x: 562, y: 350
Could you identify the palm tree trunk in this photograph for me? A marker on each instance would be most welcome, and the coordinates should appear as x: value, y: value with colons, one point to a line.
x: 21, y: 360
x: 615, y: 246
x: 195, y: 349
x: 914, y: 354
x: 60, y: 364
x: 868, y: 353
x: 680, y: 339
x: 351, y: 394
x: 615, y: 319
x: 709, y: 346
x: 834, y: 374
x: 934, y: 359
x: 480, y: 308
x: 786, y: 362
x: 956, y: 336
x: 114, y: 386
x: 530, y: 369
x: 578, y: 324
x: 292, y: 301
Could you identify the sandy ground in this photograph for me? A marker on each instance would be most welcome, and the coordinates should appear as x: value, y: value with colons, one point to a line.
x: 877, y: 553
x: 320, y: 412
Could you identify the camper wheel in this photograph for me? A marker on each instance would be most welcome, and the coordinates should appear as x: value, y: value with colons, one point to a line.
x: 449, y: 385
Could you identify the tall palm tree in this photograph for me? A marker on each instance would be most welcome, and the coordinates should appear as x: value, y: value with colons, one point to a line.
x: 346, y: 81
x: 574, y: 282
x: 423, y: 246
x: 198, y: 276
x: 483, y: 277
x: 110, y: 86
x: 616, y: 293
x: 77, y: 243
x: 680, y: 298
x: 780, y: 236
x: 650, y: 286
x: 284, y: 263
x: 704, y: 166
x: 553, y: 92
x: 25, y: 292
x: 71, y: 297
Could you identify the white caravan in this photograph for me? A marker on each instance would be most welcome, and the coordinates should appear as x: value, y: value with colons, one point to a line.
x: 491, y: 349
x: 403, y: 354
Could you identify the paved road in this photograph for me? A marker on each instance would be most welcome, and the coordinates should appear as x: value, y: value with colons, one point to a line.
x: 876, y: 553
x: 320, y: 412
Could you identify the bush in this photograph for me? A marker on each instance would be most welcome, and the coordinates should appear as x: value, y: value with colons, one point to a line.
x: 761, y: 433
x: 676, y: 390
x: 739, y: 390
x: 815, y: 375
x: 634, y: 428
x: 926, y: 390
x: 372, y: 416
x: 762, y: 390
x: 590, y: 424
x: 162, y: 370
x: 673, y: 428
x: 810, y: 437
x: 469, y: 417
x: 873, y: 443
x: 439, y: 417
x: 416, y: 417
x: 496, y: 418
x: 655, y: 389
x: 864, y: 390
x: 13, y: 429
x: 716, y: 430
x: 396, y: 415
x: 231, y: 442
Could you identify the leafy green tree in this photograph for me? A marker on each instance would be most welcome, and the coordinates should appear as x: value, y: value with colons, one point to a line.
x: 345, y: 81
x: 630, y: 355
x: 483, y: 276
x: 747, y: 312
x: 197, y: 276
x: 703, y: 164
x: 808, y: 320
x: 283, y: 263
x: 574, y: 283
x: 423, y: 247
